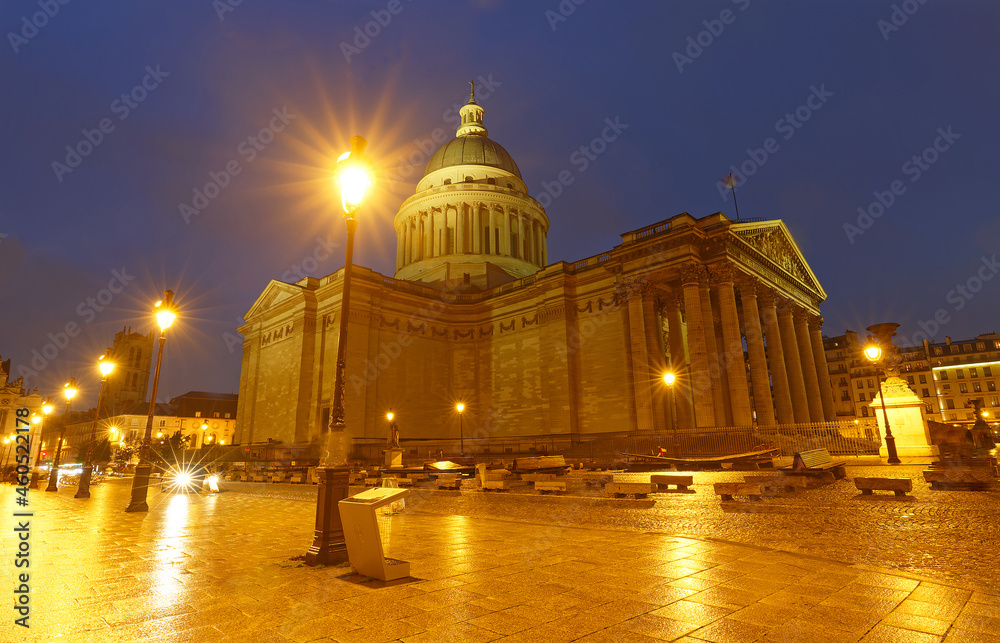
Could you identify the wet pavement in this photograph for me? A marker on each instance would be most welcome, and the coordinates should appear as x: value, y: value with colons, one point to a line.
x: 821, y: 564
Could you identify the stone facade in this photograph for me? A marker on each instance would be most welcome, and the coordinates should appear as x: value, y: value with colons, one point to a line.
x: 574, y: 349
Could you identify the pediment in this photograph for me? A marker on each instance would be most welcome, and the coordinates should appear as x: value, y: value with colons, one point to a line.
x: 774, y: 242
x: 276, y: 293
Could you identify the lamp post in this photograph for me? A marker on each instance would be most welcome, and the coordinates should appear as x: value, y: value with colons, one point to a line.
x: 69, y: 391
x: 874, y: 354
x: 47, y: 408
x: 165, y: 312
x: 83, y: 488
x: 460, y: 407
x: 354, y: 173
x: 669, y: 378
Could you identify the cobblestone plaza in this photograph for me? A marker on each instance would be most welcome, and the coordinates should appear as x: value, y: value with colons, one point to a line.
x: 819, y: 564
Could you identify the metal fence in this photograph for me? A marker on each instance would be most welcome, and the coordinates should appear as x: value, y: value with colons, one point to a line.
x: 839, y: 438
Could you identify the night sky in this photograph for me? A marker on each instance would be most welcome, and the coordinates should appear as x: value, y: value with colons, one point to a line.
x: 850, y: 93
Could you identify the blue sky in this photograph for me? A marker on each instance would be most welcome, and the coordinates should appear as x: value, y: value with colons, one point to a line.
x: 701, y: 86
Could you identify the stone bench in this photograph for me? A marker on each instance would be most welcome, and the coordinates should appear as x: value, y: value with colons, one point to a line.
x: 538, y: 477
x: 496, y: 485
x: 296, y: 478
x: 550, y: 486
x: 594, y: 478
x: 665, y: 480
x: 816, y: 462
x: 899, y: 486
x: 964, y: 477
x: 729, y: 489
x: 449, y: 481
x: 634, y: 489
x: 256, y: 477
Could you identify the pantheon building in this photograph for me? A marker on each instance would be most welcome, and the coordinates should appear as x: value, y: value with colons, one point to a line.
x: 476, y: 314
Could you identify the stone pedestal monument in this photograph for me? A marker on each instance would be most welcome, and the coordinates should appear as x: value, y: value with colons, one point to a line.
x: 905, y: 411
x: 393, y: 452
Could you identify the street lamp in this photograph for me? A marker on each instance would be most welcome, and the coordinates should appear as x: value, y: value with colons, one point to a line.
x: 669, y: 378
x: 461, y: 432
x: 165, y: 312
x: 354, y: 173
x: 83, y: 488
x: 69, y: 391
x: 874, y: 353
x: 47, y: 408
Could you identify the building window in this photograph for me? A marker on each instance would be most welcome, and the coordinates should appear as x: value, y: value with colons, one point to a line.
x: 447, y: 181
x: 991, y: 386
x: 909, y: 379
x: 987, y: 371
x: 491, y: 181
x: 870, y: 384
x: 163, y: 423
x: 977, y: 387
x: 938, y: 351
x: 993, y: 401
x: 980, y: 346
x: 227, y: 416
x: 215, y: 415
x: 963, y: 388
x: 861, y: 384
x: 923, y: 379
x: 947, y: 387
x: 924, y: 392
x: 973, y: 372
x: 197, y: 414
x: 468, y: 179
x: 960, y: 374
x: 864, y: 411
x: 944, y: 375
x: 949, y: 404
x: 861, y: 397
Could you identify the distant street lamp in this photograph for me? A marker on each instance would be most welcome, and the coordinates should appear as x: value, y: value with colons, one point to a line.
x: 874, y: 354
x: 47, y: 408
x: 165, y: 312
x: 69, y: 391
x: 461, y: 432
x: 354, y: 173
x: 83, y: 487
x: 669, y: 378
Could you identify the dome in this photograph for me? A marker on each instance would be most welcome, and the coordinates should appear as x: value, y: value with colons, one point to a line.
x: 472, y: 150
x: 471, y: 145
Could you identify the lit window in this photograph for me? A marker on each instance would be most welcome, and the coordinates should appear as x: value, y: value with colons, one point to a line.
x: 924, y: 393
x: 991, y: 386
x: 864, y: 411
x: 861, y: 384
x: 973, y: 373
x: 977, y: 387
x: 227, y: 416
x: 861, y: 397
x: 963, y: 388
x: 909, y: 379
x: 197, y: 414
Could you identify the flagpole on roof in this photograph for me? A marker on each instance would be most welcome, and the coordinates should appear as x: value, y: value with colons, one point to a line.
x: 732, y: 186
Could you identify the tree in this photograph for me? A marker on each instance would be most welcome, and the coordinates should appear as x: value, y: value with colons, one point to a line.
x: 102, y: 451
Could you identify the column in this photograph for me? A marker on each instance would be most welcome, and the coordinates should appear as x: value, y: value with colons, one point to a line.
x: 400, y: 244
x: 822, y: 369
x: 428, y: 235
x: 460, y: 246
x: 504, y: 232
x: 491, y: 236
x: 638, y: 358
x: 763, y: 403
x: 436, y: 229
x: 477, y: 229
x: 739, y: 394
x: 545, y: 249
x: 678, y: 363
x: 699, y: 380
x: 801, y: 318
x: 712, y: 346
x: 793, y: 363
x: 776, y: 360
x: 415, y: 240
x: 655, y: 364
